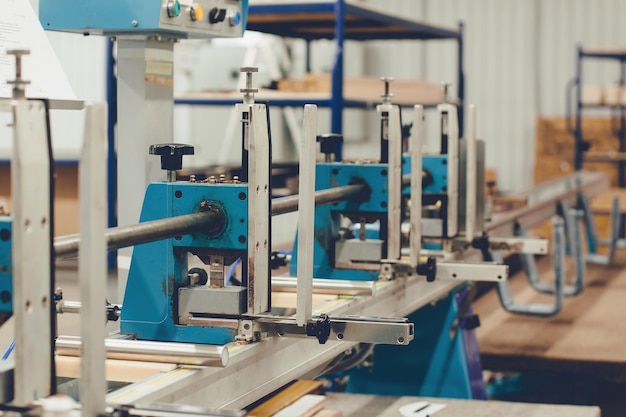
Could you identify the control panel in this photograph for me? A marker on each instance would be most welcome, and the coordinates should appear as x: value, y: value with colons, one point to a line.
x: 172, y: 18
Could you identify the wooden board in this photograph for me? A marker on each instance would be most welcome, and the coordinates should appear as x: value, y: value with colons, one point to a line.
x: 588, y: 336
x: 384, y: 406
x: 285, y: 398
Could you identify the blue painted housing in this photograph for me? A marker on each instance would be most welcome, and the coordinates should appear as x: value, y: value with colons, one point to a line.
x: 434, y: 364
x: 6, y: 270
x: 159, y: 269
x: 327, y: 218
x: 136, y: 17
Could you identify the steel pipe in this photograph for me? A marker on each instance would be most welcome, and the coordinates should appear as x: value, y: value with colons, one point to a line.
x: 124, y: 236
x: 148, y: 351
x: 332, y: 195
x: 326, y: 286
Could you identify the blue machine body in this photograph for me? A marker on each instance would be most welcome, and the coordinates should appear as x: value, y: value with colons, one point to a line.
x: 327, y: 218
x: 437, y: 363
x: 159, y: 269
x: 6, y: 280
x: 143, y: 17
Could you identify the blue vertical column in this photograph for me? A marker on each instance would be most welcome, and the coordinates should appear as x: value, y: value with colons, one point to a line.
x: 111, y: 88
x: 461, y: 82
x: 336, y: 101
x: 578, y: 134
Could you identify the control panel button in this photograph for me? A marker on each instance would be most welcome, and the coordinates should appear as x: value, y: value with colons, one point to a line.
x: 173, y: 8
x: 234, y: 17
x: 196, y: 12
x: 217, y: 15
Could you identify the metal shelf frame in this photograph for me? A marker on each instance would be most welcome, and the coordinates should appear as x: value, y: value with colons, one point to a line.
x: 618, y: 123
x: 340, y: 20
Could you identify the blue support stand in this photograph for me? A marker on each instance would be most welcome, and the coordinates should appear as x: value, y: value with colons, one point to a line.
x: 437, y: 363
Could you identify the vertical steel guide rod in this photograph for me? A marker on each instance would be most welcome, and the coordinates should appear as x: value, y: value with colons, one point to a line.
x: 471, y: 175
x: 306, y: 216
x: 92, y: 265
x: 416, y: 145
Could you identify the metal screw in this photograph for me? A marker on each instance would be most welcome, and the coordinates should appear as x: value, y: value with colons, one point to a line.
x: 192, y: 178
x: 212, y: 179
x: 134, y: 23
x: 19, y: 84
x: 387, y: 95
x: 248, y: 96
x: 446, y: 92
x: 235, y: 179
x: 222, y: 178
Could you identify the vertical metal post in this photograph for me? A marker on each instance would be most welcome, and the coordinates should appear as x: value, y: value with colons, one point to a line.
x: 145, y: 89
x: 92, y: 261
x: 621, y: 177
x: 32, y: 259
x: 461, y: 83
x: 394, y: 205
x: 452, y: 127
x: 471, y: 176
x: 111, y: 155
x: 308, y: 56
x: 306, y: 216
x: 578, y: 134
x: 416, y: 146
x: 256, y: 145
x: 336, y: 99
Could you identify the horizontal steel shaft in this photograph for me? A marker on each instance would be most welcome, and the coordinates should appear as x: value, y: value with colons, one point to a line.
x: 148, y: 351
x: 124, y: 236
x: 137, y: 234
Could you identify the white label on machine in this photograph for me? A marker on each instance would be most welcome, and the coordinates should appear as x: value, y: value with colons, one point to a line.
x: 420, y: 409
x: 20, y: 29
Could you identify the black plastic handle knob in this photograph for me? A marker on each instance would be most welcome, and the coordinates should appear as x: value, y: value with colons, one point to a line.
x: 329, y: 142
x: 171, y: 154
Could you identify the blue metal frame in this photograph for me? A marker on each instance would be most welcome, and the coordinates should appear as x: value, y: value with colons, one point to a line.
x: 111, y: 87
x: 6, y: 279
x: 577, y: 132
x: 435, y: 364
x: 345, y: 21
x: 159, y: 269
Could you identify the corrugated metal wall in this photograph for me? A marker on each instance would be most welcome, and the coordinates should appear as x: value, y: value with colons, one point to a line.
x: 519, y: 55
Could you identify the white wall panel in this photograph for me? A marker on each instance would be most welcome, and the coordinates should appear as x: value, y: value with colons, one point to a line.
x: 519, y: 55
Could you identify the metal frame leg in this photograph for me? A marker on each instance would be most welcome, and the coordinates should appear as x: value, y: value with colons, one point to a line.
x: 592, y: 234
x: 573, y: 227
x: 558, y: 262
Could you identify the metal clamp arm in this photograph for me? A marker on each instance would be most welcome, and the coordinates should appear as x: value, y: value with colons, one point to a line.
x: 558, y: 258
x: 613, y: 242
x: 574, y: 240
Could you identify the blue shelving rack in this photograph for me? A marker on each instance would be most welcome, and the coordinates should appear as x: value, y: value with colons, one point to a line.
x: 338, y: 20
x: 618, y: 122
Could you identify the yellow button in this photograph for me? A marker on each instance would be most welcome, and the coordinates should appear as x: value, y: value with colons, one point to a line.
x: 197, y: 12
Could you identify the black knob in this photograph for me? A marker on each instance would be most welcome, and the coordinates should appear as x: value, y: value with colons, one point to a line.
x: 429, y: 269
x: 329, y: 144
x: 171, y: 154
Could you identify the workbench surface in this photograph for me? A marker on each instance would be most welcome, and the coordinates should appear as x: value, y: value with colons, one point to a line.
x: 371, y: 405
x: 587, y: 337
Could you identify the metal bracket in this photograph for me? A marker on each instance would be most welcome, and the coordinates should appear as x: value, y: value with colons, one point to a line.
x: 613, y: 242
x: 519, y: 244
x: 558, y: 262
x: 482, y: 271
x: 574, y: 239
x: 390, y: 331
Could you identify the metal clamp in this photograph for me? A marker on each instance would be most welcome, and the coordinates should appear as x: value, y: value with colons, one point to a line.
x: 575, y: 244
x: 558, y: 262
x: 391, y: 331
x: 593, y: 241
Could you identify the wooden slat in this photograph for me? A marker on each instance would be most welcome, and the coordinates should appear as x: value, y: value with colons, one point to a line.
x: 588, y: 336
x: 285, y: 398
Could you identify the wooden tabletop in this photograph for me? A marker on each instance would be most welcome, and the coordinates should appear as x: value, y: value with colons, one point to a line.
x: 370, y: 405
x: 588, y: 336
